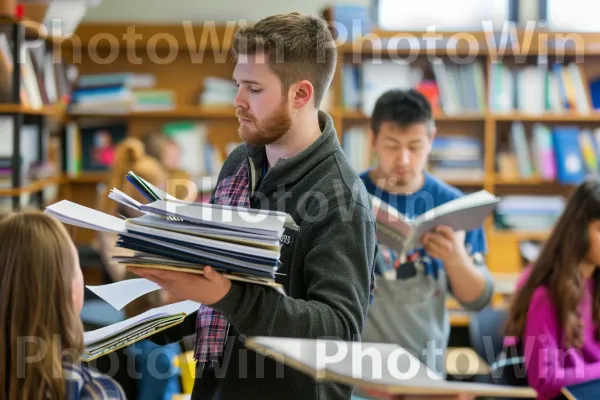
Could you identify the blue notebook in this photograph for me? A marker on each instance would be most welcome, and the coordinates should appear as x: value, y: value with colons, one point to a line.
x: 583, y: 391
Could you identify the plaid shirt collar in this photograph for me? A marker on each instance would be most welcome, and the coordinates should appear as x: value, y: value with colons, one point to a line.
x: 82, y: 383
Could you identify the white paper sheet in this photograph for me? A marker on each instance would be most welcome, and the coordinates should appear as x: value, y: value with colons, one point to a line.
x: 86, y: 217
x: 121, y: 293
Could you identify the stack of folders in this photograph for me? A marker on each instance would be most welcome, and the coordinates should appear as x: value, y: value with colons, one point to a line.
x: 243, y: 244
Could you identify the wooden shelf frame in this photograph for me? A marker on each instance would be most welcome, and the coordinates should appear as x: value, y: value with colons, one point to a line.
x: 213, y: 43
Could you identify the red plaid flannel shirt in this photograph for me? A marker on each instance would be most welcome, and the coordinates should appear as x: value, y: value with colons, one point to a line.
x: 212, y: 327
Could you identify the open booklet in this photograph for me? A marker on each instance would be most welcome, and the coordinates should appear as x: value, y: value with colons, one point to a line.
x: 113, y: 337
x: 385, y: 368
x: 401, y: 234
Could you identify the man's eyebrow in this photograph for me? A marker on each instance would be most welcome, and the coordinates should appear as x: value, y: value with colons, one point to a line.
x: 248, y: 81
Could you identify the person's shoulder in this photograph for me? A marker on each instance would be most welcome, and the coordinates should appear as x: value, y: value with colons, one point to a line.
x: 234, y: 160
x: 86, y: 384
x: 443, y: 191
x: 342, y: 190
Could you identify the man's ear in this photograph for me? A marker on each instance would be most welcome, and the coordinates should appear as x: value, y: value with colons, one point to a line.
x: 432, y: 134
x: 302, y: 93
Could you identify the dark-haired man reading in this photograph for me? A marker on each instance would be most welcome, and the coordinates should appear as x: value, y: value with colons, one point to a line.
x: 409, y: 306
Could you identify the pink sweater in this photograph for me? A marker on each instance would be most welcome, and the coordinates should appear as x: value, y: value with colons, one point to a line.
x: 549, y: 367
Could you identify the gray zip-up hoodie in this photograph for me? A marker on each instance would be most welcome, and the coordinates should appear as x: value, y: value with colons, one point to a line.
x: 328, y: 267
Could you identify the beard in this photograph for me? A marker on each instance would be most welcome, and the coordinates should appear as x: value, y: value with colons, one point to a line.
x: 267, y: 131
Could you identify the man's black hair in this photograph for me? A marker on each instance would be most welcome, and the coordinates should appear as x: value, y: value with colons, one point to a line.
x: 401, y: 107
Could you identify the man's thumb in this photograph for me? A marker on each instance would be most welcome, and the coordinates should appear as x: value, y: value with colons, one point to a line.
x: 210, y: 273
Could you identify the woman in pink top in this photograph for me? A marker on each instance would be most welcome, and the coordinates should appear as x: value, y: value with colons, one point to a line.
x: 556, y: 312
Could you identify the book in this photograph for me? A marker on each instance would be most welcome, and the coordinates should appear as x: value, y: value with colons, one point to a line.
x: 379, y: 367
x: 583, y: 391
x: 110, y: 338
x: 403, y: 235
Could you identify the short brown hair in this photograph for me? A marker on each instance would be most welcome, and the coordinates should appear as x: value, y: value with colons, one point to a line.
x: 297, y: 46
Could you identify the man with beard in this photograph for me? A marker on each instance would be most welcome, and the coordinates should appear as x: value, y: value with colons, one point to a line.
x: 409, y: 306
x: 292, y: 162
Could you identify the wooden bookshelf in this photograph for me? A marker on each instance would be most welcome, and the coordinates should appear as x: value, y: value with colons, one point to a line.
x: 45, y: 116
x: 199, y: 51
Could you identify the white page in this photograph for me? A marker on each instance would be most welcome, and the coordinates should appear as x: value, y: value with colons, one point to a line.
x: 76, y: 214
x: 186, y: 307
x: 478, y: 198
x: 122, y: 198
x: 121, y: 293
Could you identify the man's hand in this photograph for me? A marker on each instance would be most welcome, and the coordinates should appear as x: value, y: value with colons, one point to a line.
x: 446, y: 245
x: 206, y: 289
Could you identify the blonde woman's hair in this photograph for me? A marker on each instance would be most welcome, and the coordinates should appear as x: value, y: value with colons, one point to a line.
x: 130, y: 155
x: 155, y: 142
x: 40, y: 324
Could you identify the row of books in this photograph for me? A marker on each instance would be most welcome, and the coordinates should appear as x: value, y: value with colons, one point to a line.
x: 541, y: 89
x: 533, y: 213
x: 563, y: 153
x: 461, y: 88
x: 44, y: 79
x: 452, y: 88
x: 119, y: 92
x: 456, y: 157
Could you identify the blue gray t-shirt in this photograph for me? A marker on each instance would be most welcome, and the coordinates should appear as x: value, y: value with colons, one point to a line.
x: 410, y: 310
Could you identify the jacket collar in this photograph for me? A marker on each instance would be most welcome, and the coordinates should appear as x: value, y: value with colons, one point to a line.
x: 291, y: 170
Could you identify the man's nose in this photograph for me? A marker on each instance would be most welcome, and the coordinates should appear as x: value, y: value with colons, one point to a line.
x: 240, y: 99
x: 404, y: 157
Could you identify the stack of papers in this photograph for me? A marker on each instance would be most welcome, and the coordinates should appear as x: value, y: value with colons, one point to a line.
x: 243, y: 244
x: 113, y: 337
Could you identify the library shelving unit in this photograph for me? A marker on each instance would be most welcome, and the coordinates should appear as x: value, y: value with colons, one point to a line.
x: 44, y: 118
x: 180, y: 55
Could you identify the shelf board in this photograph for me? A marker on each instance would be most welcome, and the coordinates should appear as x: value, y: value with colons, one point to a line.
x: 566, y: 117
x: 35, y: 186
x: 464, y: 182
x: 213, y: 112
x: 517, y: 181
x: 200, y: 112
x: 85, y: 177
x: 522, y: 235
x: 359, y: 115
x: 49, y: 110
